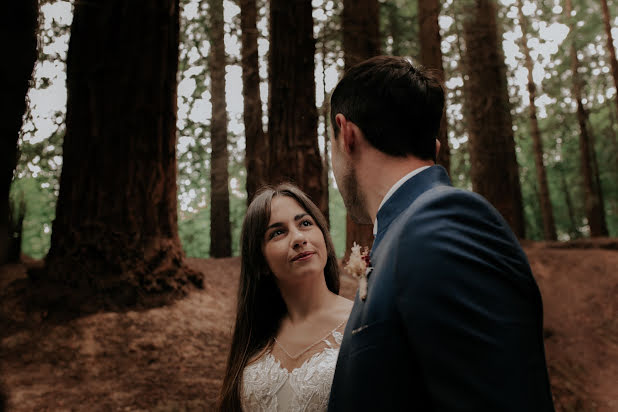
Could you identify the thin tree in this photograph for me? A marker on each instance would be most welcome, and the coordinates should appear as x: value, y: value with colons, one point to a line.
x: 115, y: 236
x: 592, y: 190
x: 255, y: 139
x: 431, y: 57
x: 610, y: 47
x: 494, y: 171
x: 220, y: 232
x: 549, y: 227
x: 19, y: 41
x: 361, y: 41
x: 293, y: 151
x: 324, y: 114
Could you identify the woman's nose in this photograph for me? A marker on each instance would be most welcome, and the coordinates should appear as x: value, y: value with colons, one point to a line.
x: 298, y: 239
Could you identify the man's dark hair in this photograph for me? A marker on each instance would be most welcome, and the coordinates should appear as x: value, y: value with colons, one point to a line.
x: 397, y: 106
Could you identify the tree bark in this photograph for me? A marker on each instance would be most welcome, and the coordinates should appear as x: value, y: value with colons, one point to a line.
x: 19, y: 41
x: 325, y: 110
x: 573, y: 231
x: 294, y: 154
x: 494, y: 169
x: 431, y: 57
x: 549, y: 227
x: 610, y: 47
x: 592, y: 197
x: 255, y: 139
x: 361, y: 41
x: 115, y: 236
x: 220, y: 231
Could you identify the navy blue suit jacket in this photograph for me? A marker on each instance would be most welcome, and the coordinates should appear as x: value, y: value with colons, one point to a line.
x: 453, y: 317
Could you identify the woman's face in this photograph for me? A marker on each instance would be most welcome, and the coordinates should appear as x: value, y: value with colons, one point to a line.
x: 294, y: 246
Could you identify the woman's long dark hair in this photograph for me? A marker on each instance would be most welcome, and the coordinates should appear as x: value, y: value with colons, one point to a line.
x: 260, y: 307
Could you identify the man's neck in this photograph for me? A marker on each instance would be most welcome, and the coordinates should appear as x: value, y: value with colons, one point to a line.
x: 376, y: 181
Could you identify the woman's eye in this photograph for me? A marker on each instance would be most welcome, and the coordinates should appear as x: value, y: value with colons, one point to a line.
x: 275, y: 233
x: 307, y: 223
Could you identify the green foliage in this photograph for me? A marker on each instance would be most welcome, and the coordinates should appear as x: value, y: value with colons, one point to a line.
x: 337, y: 220
x: 40, y: 212
x: 38, y: 172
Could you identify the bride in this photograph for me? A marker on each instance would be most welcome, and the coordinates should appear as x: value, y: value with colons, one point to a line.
x: 289, y: 319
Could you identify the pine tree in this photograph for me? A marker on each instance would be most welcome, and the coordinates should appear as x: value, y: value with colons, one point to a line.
x: 115, y: 233
x: 592, y: 190
x: 361, y: 41
x: 220, y: 232
x: 293, y: 152
x: 19, y: 40
x: 494, y: 168
x: 431, y: 57
x: 255, y: 139
x: 549, y: 227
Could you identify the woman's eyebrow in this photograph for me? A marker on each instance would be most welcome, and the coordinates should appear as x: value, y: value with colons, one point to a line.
x: 279, y: 224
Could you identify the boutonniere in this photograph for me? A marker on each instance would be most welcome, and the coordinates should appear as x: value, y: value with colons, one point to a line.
x: 359, y: 267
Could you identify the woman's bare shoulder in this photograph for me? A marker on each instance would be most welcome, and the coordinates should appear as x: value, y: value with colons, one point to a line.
x: 344, y: 307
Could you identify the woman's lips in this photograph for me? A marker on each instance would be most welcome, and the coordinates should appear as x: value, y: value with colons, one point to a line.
x: 303, y: 256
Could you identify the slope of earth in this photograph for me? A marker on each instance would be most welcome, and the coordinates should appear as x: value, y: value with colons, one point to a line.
x: 172, y: 358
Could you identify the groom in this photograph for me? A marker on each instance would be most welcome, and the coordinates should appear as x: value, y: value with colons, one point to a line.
x: 452, y: 320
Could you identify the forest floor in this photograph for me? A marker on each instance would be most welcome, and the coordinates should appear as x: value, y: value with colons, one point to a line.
x: 171, y: 358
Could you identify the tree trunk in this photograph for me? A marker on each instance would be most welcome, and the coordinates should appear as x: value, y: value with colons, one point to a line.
x: 220, y: 231
x: 549, y: 227
x: 361, y: 41
x: 494, y: 170
x: 361, y: 30
x: 431, y: 57
x: 592, y: 198
x: 19, y: 41
x: 255, y: 139
x: 610, y: 47
x: 115, y: 235
x: 393, y: 27
x: 325, y: 116
x: 294, y: 154
x: 573, y: 231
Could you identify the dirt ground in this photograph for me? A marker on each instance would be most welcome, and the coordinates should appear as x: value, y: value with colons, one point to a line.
x: 172, y: 358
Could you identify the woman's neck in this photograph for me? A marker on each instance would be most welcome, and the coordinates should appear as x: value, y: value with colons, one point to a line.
x: 307, y: 298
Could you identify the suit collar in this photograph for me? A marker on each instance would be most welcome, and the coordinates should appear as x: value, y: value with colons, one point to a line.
x: 407, y: 194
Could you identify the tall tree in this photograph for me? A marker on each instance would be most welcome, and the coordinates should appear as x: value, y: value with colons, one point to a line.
x: 220, y: 232
x: 115, y: 233
x: 255, y: 139
x: 595, y: 212
x: 494, y: 170
x: 431, y: 57
x: 610, y: 47
x: 294, y: 154
x: 549, y: 227
x: 19, y: 41
x: 361, y: 41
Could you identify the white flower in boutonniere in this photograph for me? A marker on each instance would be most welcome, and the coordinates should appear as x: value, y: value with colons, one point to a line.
x: 359, y: 267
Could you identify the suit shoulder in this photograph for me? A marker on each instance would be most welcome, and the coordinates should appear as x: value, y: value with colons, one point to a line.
x: 443, y: 205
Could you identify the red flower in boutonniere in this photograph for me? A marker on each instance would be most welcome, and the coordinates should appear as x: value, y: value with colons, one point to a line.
x: 359, y: 267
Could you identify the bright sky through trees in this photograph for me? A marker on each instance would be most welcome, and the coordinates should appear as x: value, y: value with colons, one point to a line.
x: 48, y: 105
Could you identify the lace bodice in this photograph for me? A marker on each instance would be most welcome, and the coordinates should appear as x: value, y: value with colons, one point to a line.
x: 268, y: 386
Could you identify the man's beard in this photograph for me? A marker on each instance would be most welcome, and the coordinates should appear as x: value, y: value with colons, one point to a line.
x: 353, y: 199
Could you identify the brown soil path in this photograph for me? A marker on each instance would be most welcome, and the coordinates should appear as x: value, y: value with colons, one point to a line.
x: 171, y: 358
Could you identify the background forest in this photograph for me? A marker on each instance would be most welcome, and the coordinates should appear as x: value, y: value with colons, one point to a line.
x: 534, y: 34
x: 135, y: 132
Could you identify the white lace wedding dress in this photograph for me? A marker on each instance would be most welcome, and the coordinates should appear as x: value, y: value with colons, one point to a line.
x: 280, y: 382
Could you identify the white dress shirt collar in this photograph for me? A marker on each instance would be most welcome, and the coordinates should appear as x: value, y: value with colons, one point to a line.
x: 393, y: 189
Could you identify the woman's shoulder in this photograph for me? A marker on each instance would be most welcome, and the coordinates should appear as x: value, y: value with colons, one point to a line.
x: 342, y: 309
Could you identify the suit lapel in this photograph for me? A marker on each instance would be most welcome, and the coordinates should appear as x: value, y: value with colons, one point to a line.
x: 404, y: 197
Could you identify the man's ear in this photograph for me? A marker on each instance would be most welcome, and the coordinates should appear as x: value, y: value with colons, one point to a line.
x: 437, y: 148
x: 347, y: 133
